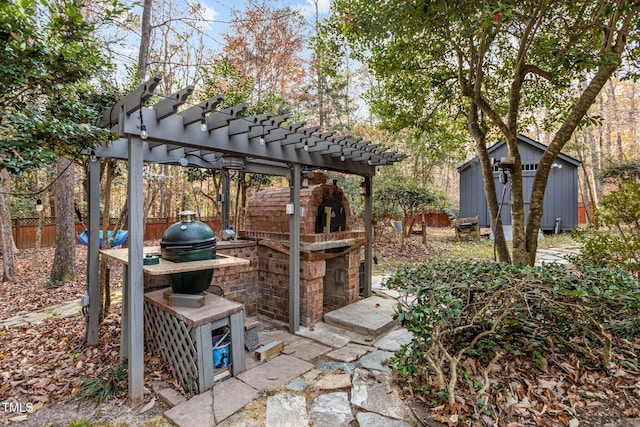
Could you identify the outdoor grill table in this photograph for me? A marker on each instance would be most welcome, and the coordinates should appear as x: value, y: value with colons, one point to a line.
x: 191, y: 358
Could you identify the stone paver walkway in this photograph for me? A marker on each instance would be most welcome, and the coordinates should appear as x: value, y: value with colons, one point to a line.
x: 556, y: 255
x: 309, y: 383
x: 59, y: 311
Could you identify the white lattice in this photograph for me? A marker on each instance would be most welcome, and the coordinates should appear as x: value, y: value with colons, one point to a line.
x: 175, y: 341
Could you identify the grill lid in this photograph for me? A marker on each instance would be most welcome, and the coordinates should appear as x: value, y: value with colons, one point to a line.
x: 188, y: 235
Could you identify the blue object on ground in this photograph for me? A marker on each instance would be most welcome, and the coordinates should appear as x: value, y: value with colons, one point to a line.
x: 121, y: 237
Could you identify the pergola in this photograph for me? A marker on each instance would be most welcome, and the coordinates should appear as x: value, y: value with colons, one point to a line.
x: 205, y: 137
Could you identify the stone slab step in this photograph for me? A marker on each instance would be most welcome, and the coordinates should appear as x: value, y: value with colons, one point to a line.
x: 370, y: 316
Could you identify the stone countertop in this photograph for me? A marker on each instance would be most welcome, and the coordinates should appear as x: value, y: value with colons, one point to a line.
x: 215, y: 307
x: 168, y: 267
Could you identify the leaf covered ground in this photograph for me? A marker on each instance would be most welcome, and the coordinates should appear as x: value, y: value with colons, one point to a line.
x: 43, y: 365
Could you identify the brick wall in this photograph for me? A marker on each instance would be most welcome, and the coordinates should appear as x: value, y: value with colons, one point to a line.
x: 266, y: 211
x: 273, y: 284
x: 239, y: 283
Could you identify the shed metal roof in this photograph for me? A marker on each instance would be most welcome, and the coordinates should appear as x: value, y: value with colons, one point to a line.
x: 521, y: 138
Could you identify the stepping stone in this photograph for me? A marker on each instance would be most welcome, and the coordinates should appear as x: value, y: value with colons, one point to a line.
x: 394, y: 340
x: 271, y: 335
x: 374, y: 391
x: 306, y: 349
x: 297, y: 385
x: 275, y: 373
x: 350, y: 352
x: 287, y: 410
x: 331, y: 409
x: 231, y: 395
x: 376, y: 361
x: 334, y: 382
x: 334, y: 366
x: 324, y: 335
x: 370, y: 419
x: 370, y: 316
x: 310, y: 376
x: 171, y: 397
x: 196, y: 411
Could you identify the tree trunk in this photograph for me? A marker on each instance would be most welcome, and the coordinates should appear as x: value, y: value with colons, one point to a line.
x: 479, y: 135
x: 8, y: 255
x: 561, y: 137
x: 105, y: 287
x: 64, y: 259
x: 145, y: 38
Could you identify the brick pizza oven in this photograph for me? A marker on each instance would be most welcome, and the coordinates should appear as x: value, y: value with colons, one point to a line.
x: 329, y: 250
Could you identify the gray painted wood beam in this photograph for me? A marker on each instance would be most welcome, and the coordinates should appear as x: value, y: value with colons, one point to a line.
x: 222, y: 118
x: 294, y: 251
x: 171, y: 131
x: 93, y: 255
x: 194, y: 114
x: 131, y: 102
x: 368, y: 228
x: 135, y: 277
x: 170, y: 104
x: 282, y: 134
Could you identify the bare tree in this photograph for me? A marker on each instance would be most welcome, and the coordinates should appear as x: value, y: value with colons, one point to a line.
x: 64, y: 259
x: 8, y: 258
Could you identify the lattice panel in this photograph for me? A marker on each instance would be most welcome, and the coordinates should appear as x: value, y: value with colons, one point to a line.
x: 175, y: 341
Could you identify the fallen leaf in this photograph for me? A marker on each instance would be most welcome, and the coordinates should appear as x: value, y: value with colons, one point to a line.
x: 148, y: 406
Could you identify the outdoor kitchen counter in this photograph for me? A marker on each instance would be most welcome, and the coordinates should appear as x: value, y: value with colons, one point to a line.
x: 169, y: 267
x: 183, y: 335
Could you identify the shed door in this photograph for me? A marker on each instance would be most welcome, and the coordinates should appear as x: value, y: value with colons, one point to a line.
x: 527, y: 185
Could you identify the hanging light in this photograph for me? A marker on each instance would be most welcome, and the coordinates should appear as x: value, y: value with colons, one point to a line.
x: 109, y: 140
x: 183, y: 161
x: 261, y: 140
x: 143, y: 128
x: 306, y: 145
x: 233, y: 162
x: 143, y: 132
x: 365, y: 188
x: 203, y: 121
x: 92, y: 156
x: 342, y: 158
x: 39, y: 206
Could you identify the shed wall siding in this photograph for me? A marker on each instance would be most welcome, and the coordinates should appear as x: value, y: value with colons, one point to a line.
x: 561, y: 196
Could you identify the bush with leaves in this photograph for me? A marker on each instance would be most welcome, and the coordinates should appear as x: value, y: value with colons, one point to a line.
x: 489, y: 311
x: 401, y: 197
x: 615, y: 237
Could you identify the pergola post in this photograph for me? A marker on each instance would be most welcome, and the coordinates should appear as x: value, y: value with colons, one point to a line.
x: 368, y: 228
x: 294, y: 251
x: 135, y: 276
x: 226, y: 194
x: 93, y: 252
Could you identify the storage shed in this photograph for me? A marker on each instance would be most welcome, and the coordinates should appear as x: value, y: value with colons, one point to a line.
x: 560, y: 199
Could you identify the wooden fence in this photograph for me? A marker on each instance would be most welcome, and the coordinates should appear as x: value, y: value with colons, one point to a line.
x: 25, y: 229
x: 432, y: 219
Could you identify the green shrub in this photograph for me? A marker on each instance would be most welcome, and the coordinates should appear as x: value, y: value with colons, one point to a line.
x: 459, y: 309
x: 615, y: 237
x: 100, y: 388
